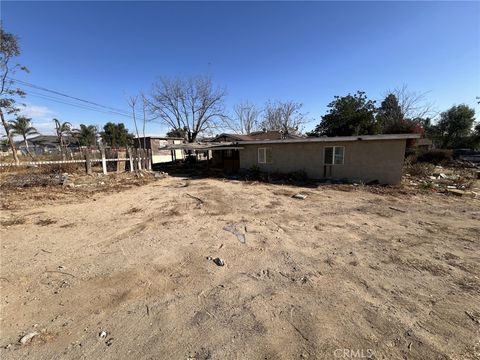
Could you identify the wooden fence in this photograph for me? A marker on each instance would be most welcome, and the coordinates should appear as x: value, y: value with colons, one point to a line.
x: 137, y: 159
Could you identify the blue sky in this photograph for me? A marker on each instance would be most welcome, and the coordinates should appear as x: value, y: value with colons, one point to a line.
x: 303, y: 51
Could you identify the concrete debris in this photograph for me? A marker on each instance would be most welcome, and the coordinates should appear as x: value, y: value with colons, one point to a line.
x: 456, y: 192
x: 219, y: 262
x: 300, y: 196
x: 160, y: 175
x: 27, y: 338
x: 232, y: 228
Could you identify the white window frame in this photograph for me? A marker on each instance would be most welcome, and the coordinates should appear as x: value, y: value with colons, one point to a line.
x: 333, y: 155
x: 264, y: 150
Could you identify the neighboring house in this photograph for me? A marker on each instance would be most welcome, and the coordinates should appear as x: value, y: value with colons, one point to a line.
x: 424, y: 144
x: 40, y: 144
x: 158, y: 145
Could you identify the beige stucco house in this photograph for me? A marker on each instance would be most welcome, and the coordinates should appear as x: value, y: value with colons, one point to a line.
x: 365, y: 158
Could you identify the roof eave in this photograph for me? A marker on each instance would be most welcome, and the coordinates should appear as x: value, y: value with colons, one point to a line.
x: 335, y: 139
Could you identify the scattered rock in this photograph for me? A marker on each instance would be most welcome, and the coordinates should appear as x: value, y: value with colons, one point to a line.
x: 300, y: 196
x: 109, y: 342
x: 218, y: 261
x: 27, y: 338
x: 103, y: 334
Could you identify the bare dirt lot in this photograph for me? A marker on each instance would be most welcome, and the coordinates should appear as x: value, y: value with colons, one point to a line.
x: 129, y: 273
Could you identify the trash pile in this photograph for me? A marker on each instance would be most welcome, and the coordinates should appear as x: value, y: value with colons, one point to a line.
x: 455, y: 180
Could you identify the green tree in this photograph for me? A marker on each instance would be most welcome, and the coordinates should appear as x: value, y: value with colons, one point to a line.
x: 9, y: 49
x: 115, y: 135
x: 180, y: 133
x: 389, y: 114
x: 455, y: 126
x: 22, y: 126
x: 86, y: 135
x: 348, y: 115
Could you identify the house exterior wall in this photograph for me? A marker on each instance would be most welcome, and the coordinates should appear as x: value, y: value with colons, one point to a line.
x: 366, y: 160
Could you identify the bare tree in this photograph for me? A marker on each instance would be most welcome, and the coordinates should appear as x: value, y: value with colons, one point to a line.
x: 191, y: 103
x: 413, y: 105
x: 8, y: 50
x: 245, y: 118
x: 284, y: 116
x: 132, y: 102
x: 144, y: 111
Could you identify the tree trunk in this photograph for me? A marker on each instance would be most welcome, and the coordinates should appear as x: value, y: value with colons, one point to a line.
x: 26, y: 146
x: 10, y: 139
x: 62, y: 148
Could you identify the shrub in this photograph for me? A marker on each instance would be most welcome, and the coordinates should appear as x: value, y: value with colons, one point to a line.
x: 254, y: 172
x: 299, y: 175
x: 435, y: 157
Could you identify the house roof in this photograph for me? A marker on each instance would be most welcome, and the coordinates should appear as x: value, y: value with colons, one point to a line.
x: 258, y: 135
x: 204, y: 146
x: 50, y: 140
x: 335, y: 139
x: 224, y: 145
x: 161, y: 138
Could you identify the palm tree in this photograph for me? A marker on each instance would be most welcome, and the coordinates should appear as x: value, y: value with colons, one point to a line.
x: 22, y: 127
x: 62, y: 129
x: 86, y: 135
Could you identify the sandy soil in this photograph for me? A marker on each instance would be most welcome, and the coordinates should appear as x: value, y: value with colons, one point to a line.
x: 337, y: 275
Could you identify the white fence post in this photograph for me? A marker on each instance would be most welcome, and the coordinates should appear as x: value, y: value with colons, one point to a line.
x: 139, y: 159
x: 130, y: 159
x: 104, y: 161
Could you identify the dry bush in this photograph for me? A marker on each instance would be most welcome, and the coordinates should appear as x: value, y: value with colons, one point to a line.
x: 60, y: 168
x: 436, y: 157
x: 419, y: 169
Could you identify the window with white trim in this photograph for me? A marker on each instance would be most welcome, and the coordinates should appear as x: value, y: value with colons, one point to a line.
x: 334, y: 155
x: 264, y: 155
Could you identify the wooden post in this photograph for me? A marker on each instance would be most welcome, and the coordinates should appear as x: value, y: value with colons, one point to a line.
x: 88, y: 164
x: 104, y: 161
x: 130, y: 159
x: 208, y: 159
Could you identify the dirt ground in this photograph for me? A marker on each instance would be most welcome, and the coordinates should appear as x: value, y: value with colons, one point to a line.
x: 342, y: 274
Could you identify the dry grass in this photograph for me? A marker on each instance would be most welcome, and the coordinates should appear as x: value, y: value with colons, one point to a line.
x: 14, y: 221
x: 46, y: 222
